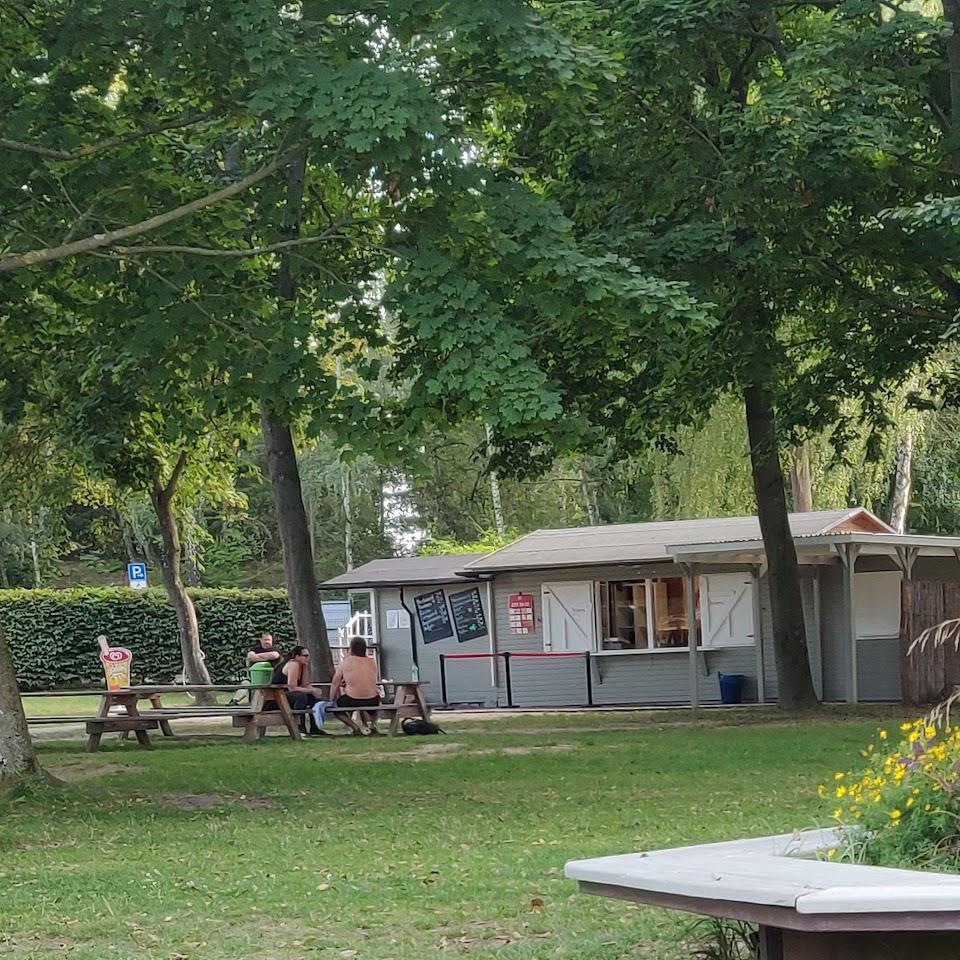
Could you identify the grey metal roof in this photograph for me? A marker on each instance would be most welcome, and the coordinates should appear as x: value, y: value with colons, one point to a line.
x: 647, y: 542
x: 401, y: 571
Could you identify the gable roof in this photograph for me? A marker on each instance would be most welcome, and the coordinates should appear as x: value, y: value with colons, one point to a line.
x: 403, y: 571
x: 648, y: 542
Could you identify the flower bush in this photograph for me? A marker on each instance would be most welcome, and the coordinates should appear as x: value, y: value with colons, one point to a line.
x: 903, y: 810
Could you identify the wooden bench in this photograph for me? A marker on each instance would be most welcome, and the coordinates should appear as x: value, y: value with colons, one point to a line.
x: 806, y: 908
x: 403, y: 698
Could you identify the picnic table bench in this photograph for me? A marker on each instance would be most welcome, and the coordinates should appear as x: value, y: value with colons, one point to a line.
x: 805, y: 908
x: 119, y: 710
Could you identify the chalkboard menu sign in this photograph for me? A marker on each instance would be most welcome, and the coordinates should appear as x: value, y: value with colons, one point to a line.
x: 434, y: 617
x: 468, y: 614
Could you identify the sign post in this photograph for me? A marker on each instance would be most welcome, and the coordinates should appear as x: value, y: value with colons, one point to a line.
x: 137, y: 576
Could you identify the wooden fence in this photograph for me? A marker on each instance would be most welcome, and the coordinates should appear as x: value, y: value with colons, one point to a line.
x: 926, y: 677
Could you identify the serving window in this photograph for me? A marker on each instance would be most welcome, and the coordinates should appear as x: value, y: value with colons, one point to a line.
x: 648, y: 614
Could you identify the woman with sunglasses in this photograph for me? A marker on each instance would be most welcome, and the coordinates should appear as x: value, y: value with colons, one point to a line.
x: 293, y: 672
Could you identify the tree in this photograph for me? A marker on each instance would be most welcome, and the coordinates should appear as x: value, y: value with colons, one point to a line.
x: 747, y: 151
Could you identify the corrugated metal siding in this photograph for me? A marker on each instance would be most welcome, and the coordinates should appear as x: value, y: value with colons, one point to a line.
x: 878, y: 669
x: 835, y: 634
x: 468, y: 681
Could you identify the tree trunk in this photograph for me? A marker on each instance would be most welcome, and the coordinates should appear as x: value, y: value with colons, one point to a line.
x: 801, y: 487
x: 951, y: 11
x: 589, y: 493
x: 783, y: 572
x: 347, y: 516
x: 298, y: 572
x: 902, y: 482
x: 17, y: 758
x: 498, y: 519
x: 194, y: 669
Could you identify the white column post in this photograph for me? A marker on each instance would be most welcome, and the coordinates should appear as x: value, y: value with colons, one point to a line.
x: 758, y: 634
x: 688, y: 570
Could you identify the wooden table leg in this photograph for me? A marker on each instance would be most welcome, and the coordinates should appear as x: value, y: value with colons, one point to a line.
x: 284, y: 706
x: 164, y: 724
x: 421, y: 702
x: 398, y: 700
x: 143, y: 738
x: 93, y: 740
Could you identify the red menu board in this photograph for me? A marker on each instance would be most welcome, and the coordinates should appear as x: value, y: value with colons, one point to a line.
x: 521, y: 613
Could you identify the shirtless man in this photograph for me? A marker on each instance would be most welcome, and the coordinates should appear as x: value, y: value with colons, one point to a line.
x: 355, y: 682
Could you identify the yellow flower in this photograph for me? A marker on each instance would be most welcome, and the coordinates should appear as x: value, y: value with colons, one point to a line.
x: 831, y: 853
x: 821, y: 791
x: 838, y: 776
x: 895, y: 815
x: 906, y: 727
x: 914, y: 737
x: 841, y: 792
x: 929, y: 732
x: 910, y: 802
x: 882, y: 734
x: 837, y: 813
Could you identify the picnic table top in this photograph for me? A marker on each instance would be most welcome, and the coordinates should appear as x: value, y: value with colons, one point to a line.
x: 194, y: 688
x: 777, y: 873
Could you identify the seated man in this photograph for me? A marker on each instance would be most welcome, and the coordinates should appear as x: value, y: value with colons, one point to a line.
x: 356, y: 677
x: 262, y: 652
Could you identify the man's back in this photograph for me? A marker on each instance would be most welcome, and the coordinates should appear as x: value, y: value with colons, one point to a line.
x: 360, y: 677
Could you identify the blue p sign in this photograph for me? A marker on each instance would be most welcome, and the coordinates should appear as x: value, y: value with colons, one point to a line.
x: 137, y: 576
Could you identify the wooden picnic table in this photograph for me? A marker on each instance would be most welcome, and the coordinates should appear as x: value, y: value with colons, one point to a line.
x: 402, y: 698
x: 129, y: 698
x: 269, y: 706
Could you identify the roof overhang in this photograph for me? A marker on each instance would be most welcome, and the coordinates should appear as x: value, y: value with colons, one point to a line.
x: 824, y: 548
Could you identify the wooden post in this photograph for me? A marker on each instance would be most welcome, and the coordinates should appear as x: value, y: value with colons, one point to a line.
x: 691, y: 603
x: 848, y: 555
x: 758, y: 634
x: 770, y: 944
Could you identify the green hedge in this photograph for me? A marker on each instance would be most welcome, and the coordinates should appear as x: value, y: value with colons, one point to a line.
x: 53, y: 633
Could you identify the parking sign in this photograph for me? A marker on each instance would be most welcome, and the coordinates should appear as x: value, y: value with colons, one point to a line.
x: 137, y: 576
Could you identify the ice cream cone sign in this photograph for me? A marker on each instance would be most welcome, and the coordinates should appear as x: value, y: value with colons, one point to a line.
x: 116, y: 664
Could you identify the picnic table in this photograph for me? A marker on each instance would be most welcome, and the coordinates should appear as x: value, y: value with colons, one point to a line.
x: 806, y: 908
x: 119, y: 710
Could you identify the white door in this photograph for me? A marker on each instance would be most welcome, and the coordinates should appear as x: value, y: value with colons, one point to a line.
x: 568, y: 621
x: 726, y: 609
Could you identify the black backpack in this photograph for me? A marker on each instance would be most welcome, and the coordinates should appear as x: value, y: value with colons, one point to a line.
x: 417, y: 726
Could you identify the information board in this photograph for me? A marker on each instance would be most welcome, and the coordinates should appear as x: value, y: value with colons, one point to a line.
x: 521, y: 613
x: 434, y: 617
x: 468, y: 614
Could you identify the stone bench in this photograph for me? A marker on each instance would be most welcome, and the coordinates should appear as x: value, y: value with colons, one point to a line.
x: 806, y: 908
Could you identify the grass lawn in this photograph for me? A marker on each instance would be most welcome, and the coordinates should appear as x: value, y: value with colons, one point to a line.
x: 408, y: 849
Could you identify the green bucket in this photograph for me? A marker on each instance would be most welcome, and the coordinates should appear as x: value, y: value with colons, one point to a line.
x: 261, y: 673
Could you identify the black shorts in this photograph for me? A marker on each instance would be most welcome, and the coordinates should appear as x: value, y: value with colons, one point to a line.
x: 357, y: 703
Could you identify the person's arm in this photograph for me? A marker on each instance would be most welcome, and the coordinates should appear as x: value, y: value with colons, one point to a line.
x: 268, y: 656
x: 337, y: 682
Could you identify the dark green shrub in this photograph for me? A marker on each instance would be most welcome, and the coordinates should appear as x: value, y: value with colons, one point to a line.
x: 53, y: 633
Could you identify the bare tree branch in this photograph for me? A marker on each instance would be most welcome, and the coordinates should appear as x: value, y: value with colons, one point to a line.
x: 102, y: 146
x: 97, y: 241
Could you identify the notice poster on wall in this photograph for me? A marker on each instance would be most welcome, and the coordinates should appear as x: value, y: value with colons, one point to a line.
x: 434, y: 617
x: 520, y: 606
x: 468, y: 614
